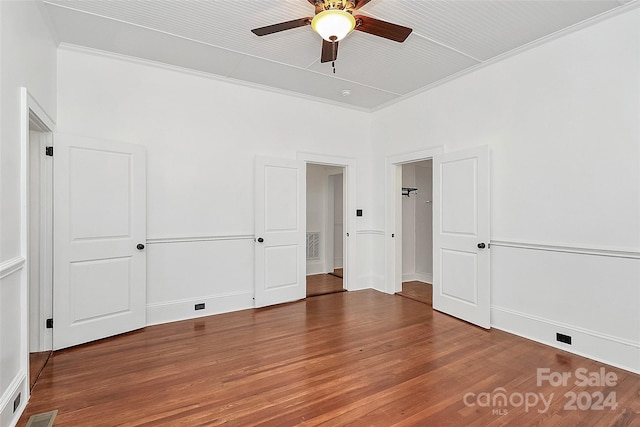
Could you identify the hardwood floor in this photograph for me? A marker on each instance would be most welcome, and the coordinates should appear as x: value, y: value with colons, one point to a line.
x: 37, y: 362
x: 321, y: 284
x: 354, y: 358
x: 419, y: 291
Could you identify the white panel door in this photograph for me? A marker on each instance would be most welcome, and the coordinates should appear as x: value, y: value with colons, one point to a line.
x: 100, y: 233
x: 279, y: 255
x: 461, y: 235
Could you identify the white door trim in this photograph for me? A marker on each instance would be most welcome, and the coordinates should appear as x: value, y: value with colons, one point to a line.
x: 393, y: 213
x: 30, y: 109
x: 329, y: 225
x: 349, y: 217
x: 40, y: 283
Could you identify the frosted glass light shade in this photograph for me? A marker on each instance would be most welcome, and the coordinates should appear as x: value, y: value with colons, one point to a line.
x: 333, y: 24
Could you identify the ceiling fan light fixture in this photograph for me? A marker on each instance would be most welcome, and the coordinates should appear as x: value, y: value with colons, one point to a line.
x: 333, y: 24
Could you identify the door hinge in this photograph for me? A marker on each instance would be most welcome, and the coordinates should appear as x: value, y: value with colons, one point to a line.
x: 48, y: 151
x: 49, y: 323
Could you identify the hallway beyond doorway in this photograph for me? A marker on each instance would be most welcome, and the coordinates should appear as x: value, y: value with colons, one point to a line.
x: 321, y: 284
x: 418, y: 291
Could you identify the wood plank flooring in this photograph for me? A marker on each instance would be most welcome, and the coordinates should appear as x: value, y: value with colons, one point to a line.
x: 360, y: 358
x: 37, y: 361
x: 419, y: 291
x: 321, y: 284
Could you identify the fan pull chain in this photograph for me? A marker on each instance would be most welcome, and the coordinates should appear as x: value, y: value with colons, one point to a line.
x: 333, y: 64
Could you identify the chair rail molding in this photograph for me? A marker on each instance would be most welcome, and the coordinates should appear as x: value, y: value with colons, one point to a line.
x: 11, y: 266
x: 609, y: 252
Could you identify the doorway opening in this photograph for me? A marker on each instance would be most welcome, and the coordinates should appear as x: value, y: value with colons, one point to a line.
x: 394, y: 211
x: 38, y: 220
x: 461, y: 230
x: 325, y: 241
x: 417, y: 231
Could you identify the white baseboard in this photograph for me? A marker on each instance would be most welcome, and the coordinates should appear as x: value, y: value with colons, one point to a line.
x: 374, y: 282
x: 315, y: 267
x: 424, y: 277
x: 408, y: 277
x: 368, y: 282
x: 418, y: 277
x: 173, y: 311
x: 18, y: 386
x: 611, y: 350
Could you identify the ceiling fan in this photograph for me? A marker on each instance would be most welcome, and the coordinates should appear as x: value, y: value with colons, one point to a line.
x: 333, y: 20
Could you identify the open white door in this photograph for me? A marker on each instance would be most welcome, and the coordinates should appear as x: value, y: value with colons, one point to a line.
x: 100, y: 232
x: 461, y: 235
x: 279, y: 221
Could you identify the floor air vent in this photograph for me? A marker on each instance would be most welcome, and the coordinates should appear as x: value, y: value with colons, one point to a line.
x: 42, y: 420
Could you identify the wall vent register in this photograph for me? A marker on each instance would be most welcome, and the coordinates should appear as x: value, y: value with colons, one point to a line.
x: 313, y: 245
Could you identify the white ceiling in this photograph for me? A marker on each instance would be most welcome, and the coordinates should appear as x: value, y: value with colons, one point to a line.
x: 213, y: 36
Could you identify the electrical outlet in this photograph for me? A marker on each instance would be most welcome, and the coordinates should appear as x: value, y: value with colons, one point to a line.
x: 200, y: 306
x: 16, y: 402
x: 563, y: 338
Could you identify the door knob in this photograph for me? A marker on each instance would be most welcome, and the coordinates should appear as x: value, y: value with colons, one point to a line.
x: 481, y: 245
x: 140, y: 246
x: 260, y: 240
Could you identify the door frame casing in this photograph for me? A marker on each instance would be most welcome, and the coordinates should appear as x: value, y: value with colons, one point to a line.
x: 349, y: 210
x: 30, y: 110
x: 41, y: 242
x: 330, y: 223
x: 393, y: 213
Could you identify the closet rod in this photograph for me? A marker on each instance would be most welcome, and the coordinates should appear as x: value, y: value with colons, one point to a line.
x: 406, y: 191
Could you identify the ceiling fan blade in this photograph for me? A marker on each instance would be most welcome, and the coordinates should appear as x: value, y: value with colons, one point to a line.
x: 384, y: 29
x: 275, y: 28
x: 359, y: 4
x: 329, y: 51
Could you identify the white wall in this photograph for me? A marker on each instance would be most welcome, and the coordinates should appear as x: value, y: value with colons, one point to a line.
x: 201, y: 136
x: 561, y: 121
x: 27, y: 59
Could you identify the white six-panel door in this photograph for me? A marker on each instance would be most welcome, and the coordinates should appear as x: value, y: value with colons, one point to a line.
x: 279, y: 254
x: 461, y: 235
x: 99, y: 221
